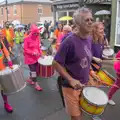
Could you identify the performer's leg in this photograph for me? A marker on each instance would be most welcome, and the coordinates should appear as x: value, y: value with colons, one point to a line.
x: 7, y: 107
x: 115, y: 87
x: 33, y: 76
x: 113, y: 90
x: 59, y: 83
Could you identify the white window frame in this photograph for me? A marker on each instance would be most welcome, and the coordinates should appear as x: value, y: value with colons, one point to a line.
x: 8, y: 10
x: 2, y: 11
x: 40, y: 7
x: 14, y: 8
x: 116, y: 30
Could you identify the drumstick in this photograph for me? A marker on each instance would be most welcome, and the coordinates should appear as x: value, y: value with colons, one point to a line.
x: 12, y: 53
x: 107, y: 83
x: 112, y: 59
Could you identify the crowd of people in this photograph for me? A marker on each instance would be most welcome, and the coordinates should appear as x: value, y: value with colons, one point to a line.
x: 77, y: 48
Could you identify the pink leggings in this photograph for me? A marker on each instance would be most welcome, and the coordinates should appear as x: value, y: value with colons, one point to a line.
x: 113, y: 89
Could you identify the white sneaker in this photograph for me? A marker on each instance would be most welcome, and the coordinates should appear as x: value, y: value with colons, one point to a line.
x: 96, y: 118
x: 111, y: 102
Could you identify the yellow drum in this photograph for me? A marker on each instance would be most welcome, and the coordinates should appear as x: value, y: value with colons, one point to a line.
x: 93, y: 100
x: 44, y: 50
x: 105, y: 77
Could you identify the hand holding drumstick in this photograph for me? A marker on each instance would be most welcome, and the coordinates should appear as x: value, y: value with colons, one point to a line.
x: 76, y: 84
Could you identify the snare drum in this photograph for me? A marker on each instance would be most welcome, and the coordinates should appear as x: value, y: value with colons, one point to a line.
x: 12, y: 80
x: 46, y: 68
x: 108, y: 52
x: 93, y: 100
x: 105, y: 77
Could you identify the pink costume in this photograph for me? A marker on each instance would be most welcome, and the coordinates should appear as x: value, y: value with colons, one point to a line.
x: 31, y: 46
x: 32, y: 53
x: 113, y: 89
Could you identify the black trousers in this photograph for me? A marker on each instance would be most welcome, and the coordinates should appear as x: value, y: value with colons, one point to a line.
x: 59, y: 83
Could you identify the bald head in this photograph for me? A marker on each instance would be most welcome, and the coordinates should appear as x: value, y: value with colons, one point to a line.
x: 67, y: 28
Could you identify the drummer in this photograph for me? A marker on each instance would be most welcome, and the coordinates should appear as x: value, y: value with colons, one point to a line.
x: 32, y: 53
x: 73, y: 60
x: 4, y: 52
x: 98, y: 43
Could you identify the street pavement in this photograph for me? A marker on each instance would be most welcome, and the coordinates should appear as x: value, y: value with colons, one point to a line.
x: 30, y: 104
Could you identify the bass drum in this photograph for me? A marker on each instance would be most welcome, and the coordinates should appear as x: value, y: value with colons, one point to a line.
x: 45, y: 67
x: 12, y: 80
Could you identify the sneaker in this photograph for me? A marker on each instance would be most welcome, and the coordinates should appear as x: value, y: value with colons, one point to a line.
x: 30, y: 82
x: 111, y: 102
x: 96, y: 118
x: 8, y: 108
x: 38, y: 88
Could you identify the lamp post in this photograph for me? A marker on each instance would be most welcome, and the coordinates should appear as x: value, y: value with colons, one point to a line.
x: 81, y: 3
x: 6, y: 2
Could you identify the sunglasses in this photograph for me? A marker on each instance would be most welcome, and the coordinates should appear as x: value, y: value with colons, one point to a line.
x: 89, y: 19
x: 35, y: 33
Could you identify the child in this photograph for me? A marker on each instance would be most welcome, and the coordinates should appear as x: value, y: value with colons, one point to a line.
x: 4, y: 52
x: 116, y: 85
x: 32, y: 53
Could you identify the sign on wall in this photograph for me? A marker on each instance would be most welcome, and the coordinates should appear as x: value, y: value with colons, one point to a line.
x: 67, y: 6
x: 76, y: 5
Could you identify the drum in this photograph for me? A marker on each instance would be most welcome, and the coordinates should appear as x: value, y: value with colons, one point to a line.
x: 44, y: 50
x: 105, y: 77
x: 12, y: 80
x: 93, y: 100
x: 108, y: 52
x: 46, y: 68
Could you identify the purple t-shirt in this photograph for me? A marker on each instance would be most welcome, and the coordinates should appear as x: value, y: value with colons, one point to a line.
x: 75, y: 55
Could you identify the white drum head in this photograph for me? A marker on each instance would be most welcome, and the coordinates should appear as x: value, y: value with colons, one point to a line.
x: 8, y: 70
x: 95, y: 95
x: 108, y: 52
x: 47, y: 60
x: 43, y: 48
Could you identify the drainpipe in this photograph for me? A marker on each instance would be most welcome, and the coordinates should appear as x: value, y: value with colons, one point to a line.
x: 81, y: 3
x: 6, y: 2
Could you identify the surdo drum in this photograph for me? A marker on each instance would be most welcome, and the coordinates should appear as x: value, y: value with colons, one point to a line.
x: 12, y: 80
x: 105, y: 77
x: 46, y: 69
x: 108, y: 52
x: 93, y: 101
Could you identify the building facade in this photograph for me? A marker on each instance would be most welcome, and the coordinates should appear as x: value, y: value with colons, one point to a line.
x: 26, y: 12
x: 115, y: 31
x: 67, y: 7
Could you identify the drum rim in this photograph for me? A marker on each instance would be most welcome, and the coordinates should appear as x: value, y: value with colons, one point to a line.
x: 94, y: 103
x: 44, y: 64
x: 108, y: 49
x: 91, y: 113
x: 12, y: 70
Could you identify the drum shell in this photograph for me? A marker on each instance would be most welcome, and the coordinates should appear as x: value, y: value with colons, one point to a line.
x: 91, y: 108
x: 12, y: 82
x: 106, y: 77
x: 46, y: 71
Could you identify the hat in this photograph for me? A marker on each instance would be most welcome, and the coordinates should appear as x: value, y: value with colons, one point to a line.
x: 34, y: 29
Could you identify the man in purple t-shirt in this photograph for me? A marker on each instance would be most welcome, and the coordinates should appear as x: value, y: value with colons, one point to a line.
x: 73, y: 60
